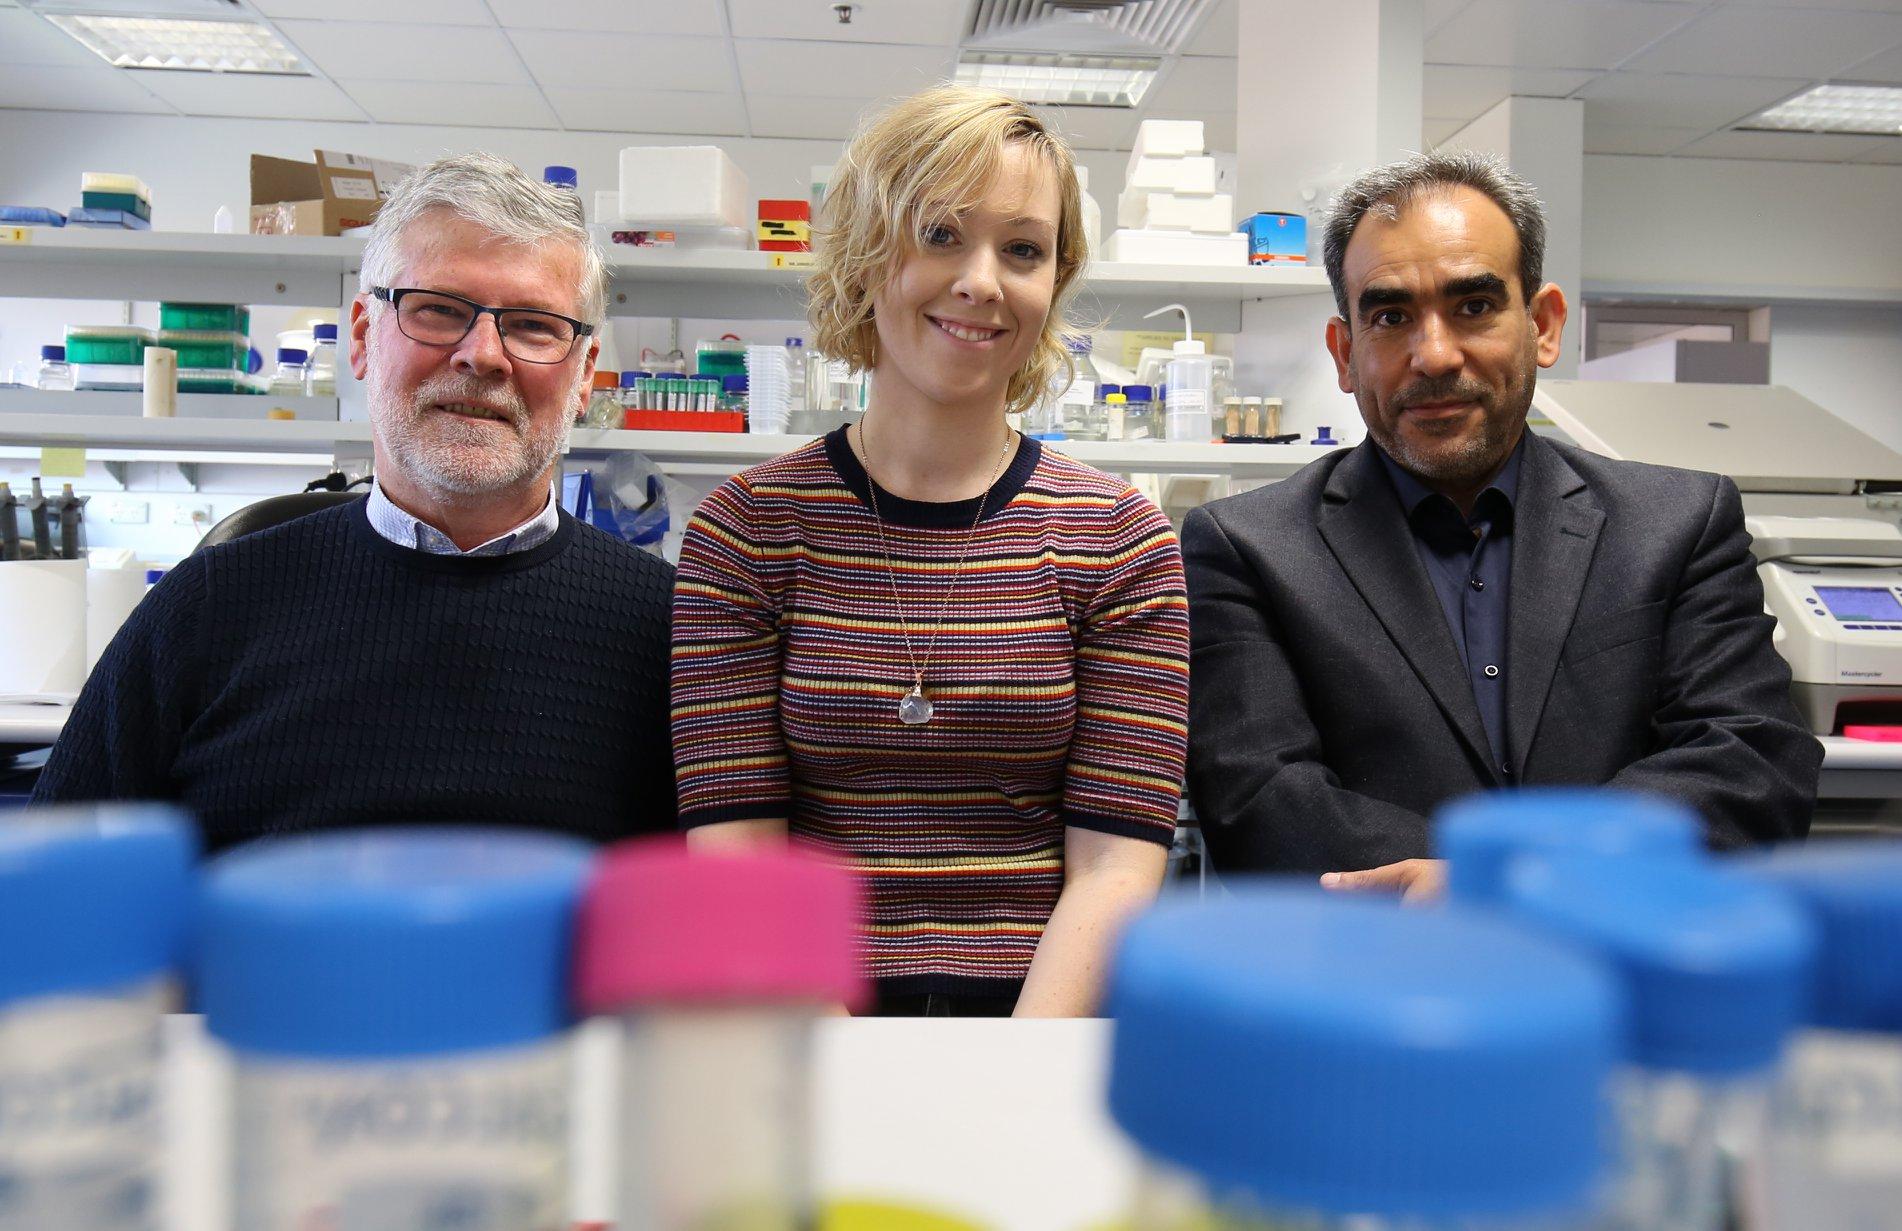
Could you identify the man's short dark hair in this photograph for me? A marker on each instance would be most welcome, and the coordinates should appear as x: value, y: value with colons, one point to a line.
x: 1389, y: 189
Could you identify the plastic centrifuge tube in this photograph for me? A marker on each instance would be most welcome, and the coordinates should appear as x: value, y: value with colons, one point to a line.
x: 1831, y: 1153
x: 394, y: 1002
x: 720, y: 966
x: 1717, y: 973
x: 94, y: 904
x: 1359, y: 1067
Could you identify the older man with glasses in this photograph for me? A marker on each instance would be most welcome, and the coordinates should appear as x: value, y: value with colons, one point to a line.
x: 455, y: 649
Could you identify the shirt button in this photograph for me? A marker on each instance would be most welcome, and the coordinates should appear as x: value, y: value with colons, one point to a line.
x: 1491, y: 670
x: 1476, y: 583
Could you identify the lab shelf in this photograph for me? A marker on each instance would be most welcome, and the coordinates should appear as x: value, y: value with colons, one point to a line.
x: 100, y: 403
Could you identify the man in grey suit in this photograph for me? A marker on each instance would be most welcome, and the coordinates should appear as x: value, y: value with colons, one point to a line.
x: 1457, y: 605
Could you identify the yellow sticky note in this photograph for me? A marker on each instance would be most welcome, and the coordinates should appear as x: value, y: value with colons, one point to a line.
x: 63, y: 463
x: 16, y: 235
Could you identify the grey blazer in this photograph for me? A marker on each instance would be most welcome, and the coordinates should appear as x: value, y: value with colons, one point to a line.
x: 1330, y: 713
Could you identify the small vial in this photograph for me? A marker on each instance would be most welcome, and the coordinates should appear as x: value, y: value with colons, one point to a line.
x: 1251, y: 418
x: 1831, y: 1154
x: 629, y: 390
x: 288, y: 380
x: 1358, y: 1067
x: 1115, y: 410
x: 733, y: 393
x: 1716, y: 972
x: 1142, y: 418
x: 395, y: 1006
x: 1480, y: 836
x: 94, y: 905
x: 55, y: 374
x: 1231, y: 416
x: 720, y: 966
x: 320, y: 376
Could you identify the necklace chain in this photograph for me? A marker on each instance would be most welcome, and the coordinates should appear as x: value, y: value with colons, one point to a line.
x: 920, y: 666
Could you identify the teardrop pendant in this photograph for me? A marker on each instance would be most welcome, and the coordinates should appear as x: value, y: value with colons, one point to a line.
x: 914, y: 708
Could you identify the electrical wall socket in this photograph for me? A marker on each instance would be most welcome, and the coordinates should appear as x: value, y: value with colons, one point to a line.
x: 191, y: 515
x: 128, y: 512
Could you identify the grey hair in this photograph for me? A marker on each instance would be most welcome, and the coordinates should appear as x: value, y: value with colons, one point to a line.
x: 494, y: 194
x: 1385, y: 191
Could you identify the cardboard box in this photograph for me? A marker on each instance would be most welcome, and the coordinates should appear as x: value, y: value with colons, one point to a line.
x: 325, y: 197
x: 1276, y: 239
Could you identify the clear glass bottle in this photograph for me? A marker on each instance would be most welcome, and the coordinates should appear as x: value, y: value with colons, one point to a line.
x: 1716, y: 972
x: 395, y: 1004
x: 719, y: 965
x: 604, y: 407
x: 320, y: 377
x: 55, y: 373
x: 287, y: 381
x: 1359, y: 1067
x: 1115, y: 415
x: 94, y: 909
x: 1141, y: 417
x: 1830, y: 1158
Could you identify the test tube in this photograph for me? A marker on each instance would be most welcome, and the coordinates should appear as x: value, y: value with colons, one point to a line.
x: 93, y: 910
x: 1357, y: 1066
x: 719, y: 965
x: 394, y: 1004
x: 1716, y: 971
x: 1479, y: 836
x: 1831, y: 1155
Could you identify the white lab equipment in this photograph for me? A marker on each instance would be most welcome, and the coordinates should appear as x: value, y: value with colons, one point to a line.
x: 395, y: 1004
x: 94, y: 905
x: 1358, y: 1065
x: 1190, y: 401
x: 42, y: 627
x: 1717, y: 973
x: 720, y: 964
x: 1831, y: 1155
x: 1092, y: 212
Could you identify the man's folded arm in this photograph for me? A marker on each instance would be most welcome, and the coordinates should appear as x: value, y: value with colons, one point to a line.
x: 1264, y: 798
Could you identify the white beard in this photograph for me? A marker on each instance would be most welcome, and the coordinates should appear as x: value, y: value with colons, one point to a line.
x: 447, y: 454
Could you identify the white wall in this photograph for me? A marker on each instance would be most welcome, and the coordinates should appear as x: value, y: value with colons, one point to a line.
x: 1848, y: 360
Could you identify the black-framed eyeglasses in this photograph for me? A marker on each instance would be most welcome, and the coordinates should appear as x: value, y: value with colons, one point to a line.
x: 437, y: 318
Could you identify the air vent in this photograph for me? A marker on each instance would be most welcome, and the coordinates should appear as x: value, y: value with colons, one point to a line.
x: 1095, y: 27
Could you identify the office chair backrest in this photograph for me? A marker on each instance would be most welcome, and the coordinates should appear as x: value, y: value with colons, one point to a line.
x: 271, y: 511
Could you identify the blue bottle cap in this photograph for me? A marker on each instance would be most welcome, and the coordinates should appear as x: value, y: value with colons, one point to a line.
x: 560, y: 177
x: 1103, y: 391
x: 1852, y: 891
x: 734, y: 384
x: 53, y: 354
x: 324, y: 333
x: 93, y: 898
x: 389, y: 942
x: 1139, y: 393
x: 792, y: 342
x: 628, y: 378
x: 1322, y: 436
x: 1716, y: 969
x: 291, y: 355
x: 1078, y: 343
x: 1479, y: 835
x: 152, y: 576
x: 1346, y: 1056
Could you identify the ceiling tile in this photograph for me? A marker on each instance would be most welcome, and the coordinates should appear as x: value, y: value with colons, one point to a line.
x: 1434, y: 132
x: 1673, y: 100
x: 26, y: 39
x: 252, y: 96
x: 53, y: 88
x: 1872, y: 6
x: 649, y: 111
x: 1460, y: 92
x: 1788, y: 147
x: 421, y: 12
x: 1195, y: 85
x: 452, y: 104
x: 931, y: 22
x: 778, y: 67
x: 612, y: 16
x: 1439, y: 12
x: 1773, y: 42
x: 566, y: 58
x: 1553, y: 33
x: 804, y: 115
x: 1095, y: 128
x: 1884, y: 68
x: 1635, y: 138
x: 392, y: 51
x: 1217, y: 34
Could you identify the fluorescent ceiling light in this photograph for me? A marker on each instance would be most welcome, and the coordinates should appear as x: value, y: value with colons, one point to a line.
x: 1061, y: 77
x: 1836, y: 109
x: 183, y: 45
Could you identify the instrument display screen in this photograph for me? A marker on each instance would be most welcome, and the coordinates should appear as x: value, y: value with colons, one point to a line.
x: 1861, y: 602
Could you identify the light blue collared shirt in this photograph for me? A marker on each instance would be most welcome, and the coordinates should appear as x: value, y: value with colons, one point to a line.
x: 406, y: 531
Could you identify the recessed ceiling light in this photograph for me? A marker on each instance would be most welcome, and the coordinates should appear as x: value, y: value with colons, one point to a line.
x: 181, y: 44
x: 1062, y: 77
x: 1873, y: 109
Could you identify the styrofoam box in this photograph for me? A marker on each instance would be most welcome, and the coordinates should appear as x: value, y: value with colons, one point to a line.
x: 607, y: 206
x: 683, y: 185
x: 1176, y: 248
x: 1165, y: 211
x: 1179, y: 175
x: 1167, y: 139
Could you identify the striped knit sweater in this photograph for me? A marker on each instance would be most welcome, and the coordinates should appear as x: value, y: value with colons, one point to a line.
x: 1059, y: 680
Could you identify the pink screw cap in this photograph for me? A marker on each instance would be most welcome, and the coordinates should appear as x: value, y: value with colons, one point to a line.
x: 660, y: 924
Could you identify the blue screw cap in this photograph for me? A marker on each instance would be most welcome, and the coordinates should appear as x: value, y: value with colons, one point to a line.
x: 1479, y: 835
x: 1852, y: 891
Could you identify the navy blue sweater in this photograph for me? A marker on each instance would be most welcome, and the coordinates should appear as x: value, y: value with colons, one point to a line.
x: 315, y: 675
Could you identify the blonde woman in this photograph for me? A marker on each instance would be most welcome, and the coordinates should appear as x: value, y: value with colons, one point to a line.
x: 924, y: 643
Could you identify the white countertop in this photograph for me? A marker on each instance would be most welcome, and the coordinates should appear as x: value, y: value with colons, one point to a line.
x: 31, y: 724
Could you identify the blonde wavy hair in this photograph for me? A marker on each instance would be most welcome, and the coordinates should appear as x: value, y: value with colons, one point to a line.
x: 925, y: 160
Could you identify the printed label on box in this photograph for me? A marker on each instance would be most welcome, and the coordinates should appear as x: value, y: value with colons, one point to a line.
x: 352, y: 188
x: 792, y: 260
x: 16, y: 235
